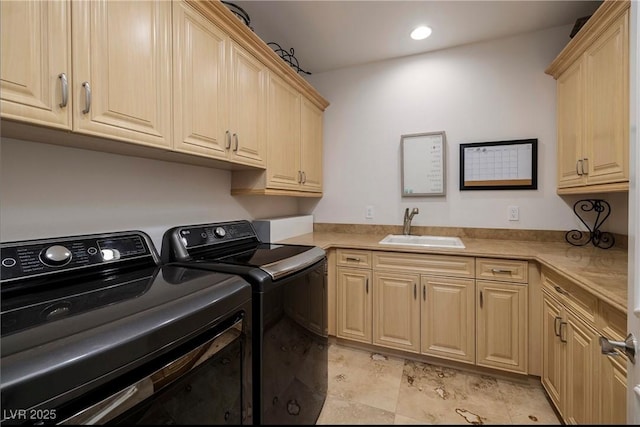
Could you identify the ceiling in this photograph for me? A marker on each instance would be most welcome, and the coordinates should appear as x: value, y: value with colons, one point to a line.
x: 328, y: 35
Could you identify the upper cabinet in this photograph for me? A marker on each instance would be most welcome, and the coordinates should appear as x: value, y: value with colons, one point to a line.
x: 35, y: 66
x: 119, y: 85
x: 592, y: 74
x: 294, y: 146
x: 219, y: 92
x: 187, y: 78
x: 122, y: 70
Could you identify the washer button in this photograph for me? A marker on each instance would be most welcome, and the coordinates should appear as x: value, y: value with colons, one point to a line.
x: 55, y: 256
x: 220, y: 232
x: 8, y: 262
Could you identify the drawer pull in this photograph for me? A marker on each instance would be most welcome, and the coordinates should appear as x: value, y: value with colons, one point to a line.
x: 560, y: 290
x: 500, y: 270
x: 354, y: 259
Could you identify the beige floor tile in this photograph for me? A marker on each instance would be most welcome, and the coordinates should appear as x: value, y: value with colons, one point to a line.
x: 364, y: 377
x: 365, y: 387
x: 340, y: 411
x: 527, y: 403
x: 403, y: 421
x: 437, y: 395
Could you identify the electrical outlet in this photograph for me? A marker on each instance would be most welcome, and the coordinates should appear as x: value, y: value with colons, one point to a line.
x: 369, y: 212
x: 513, y: 213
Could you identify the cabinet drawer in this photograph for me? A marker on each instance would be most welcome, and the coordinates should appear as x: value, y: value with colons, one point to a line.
x: 612, y: 322
x: 439, y: 265
x: 354, y: 258
x: 571, y: 295
x: 503, y: 270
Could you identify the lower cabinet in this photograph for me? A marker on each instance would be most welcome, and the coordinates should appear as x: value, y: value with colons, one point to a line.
x: 396, y: 310
x: 433, y: 305
x: 586, y: 386
x: 501, y: 325
x: 354, y: 304
x: 613, y: 389
x: 448, y: 318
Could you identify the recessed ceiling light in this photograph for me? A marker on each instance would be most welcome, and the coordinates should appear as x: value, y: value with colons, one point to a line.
x: 421, y: 33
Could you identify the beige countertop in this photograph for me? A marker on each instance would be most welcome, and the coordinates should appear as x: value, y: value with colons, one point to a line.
x: 603, y: 272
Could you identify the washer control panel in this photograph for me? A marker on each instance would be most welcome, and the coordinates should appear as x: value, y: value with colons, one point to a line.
x: 35, y: 257
x: 213, y: 234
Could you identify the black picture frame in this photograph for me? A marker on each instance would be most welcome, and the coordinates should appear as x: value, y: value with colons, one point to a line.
x: 483, y: 165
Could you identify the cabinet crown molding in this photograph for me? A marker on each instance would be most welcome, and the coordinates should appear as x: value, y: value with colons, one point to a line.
x: 238, y: 31
x: 608, y: 12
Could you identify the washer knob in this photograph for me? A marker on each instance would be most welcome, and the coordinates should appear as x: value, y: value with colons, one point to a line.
x: 55, y: 256
x: 220, y: 232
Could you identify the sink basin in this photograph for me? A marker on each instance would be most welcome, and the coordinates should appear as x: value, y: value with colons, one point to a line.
x: 423, y: 241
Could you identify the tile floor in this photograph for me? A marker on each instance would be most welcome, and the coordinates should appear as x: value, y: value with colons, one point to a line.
x: 368, y: 388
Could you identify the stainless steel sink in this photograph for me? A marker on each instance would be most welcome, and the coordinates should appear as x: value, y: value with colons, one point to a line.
x: 423, y: 241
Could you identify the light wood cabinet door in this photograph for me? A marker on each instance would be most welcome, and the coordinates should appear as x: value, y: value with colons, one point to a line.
x: 311, y: 146
x: 199, y: 84
x: 247, y: 98
x: 613, y: 390
x: 501, y: 326
x: 606, y: 103
x: 283, y: 135
x: 448, y: 318
x: 396, y: 311
x: 592, y: 74
x: 35, y: 61
x: 570, y: 113
x: 580, y: 400
x: 354, y: 305
x: 122, y: 70
x: 553, y: 351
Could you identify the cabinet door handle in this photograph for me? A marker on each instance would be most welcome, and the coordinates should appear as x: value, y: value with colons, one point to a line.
x: 481, y: 299
x: 366, y: 285
x: 500, y: 270
x: 354, y: 259
x: 415, y: 291
x: 87, y: 97
x: 65, y: 89
x: 299, y: 177
x: 227, y: 140
x: 578, y: 171
x: 304, y: 177
x: 564, y: 340
x: 235, y: 137
x: 584, y: 161
x: 424, y: 293
x: 556, y: 331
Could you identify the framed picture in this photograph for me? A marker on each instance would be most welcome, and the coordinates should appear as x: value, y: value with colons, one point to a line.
x: 423, y: 164
x: 499, y: 165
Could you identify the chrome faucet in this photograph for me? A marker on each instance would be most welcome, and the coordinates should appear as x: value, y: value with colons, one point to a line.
x: 406, y: 227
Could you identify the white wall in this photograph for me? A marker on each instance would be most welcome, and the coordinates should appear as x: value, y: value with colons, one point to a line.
x: 489, y: 91
x: 50, y: 191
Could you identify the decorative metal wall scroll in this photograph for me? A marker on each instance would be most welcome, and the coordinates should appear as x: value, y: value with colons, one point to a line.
x: 239, y: 12
x: 288, y: 57
x: 601, y: 210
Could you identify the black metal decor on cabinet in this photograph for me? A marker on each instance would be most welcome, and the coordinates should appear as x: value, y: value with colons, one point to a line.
x: 600, y: 239
x: 288, y: 57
